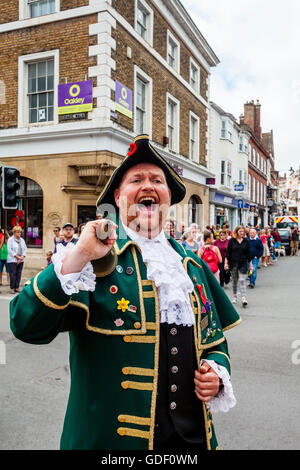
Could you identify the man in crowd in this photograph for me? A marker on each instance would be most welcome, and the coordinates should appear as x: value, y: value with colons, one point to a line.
x: 149, y: 362
x: 256, y: 250
x: 68, y: 232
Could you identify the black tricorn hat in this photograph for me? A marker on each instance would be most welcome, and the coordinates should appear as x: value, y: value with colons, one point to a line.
x: 141, y: 151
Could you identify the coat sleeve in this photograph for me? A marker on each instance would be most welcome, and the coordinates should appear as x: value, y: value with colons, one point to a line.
x: 42, y: 310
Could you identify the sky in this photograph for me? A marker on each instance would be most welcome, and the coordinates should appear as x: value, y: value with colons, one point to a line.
x: 258, y: 45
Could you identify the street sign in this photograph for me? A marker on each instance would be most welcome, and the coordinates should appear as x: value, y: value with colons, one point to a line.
x: 239, y: 187
x: 240, y: 204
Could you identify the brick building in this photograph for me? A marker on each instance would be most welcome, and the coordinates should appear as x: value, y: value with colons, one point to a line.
x: 258, y: 164
x: 149, y: 66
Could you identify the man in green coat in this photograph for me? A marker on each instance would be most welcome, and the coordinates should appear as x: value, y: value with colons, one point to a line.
x: 148, y: 358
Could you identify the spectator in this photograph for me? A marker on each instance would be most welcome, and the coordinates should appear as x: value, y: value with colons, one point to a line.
x: 256, y: 250
x: 169, y: 228
x: 217, y: 232
x: 266, y: 254
x: 277, y: 238
x: 16, y: 253
x: 56, y: 231
x: 189, y: 242
x: 238, y: 256
x: 3, y: 257
x: 211, y: 254
x: 294, y: 241
x: 68, y: 237
x: 222, y: 244
x: 48, y: 257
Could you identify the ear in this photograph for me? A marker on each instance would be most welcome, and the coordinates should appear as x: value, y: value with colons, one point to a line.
x: 117, y: 197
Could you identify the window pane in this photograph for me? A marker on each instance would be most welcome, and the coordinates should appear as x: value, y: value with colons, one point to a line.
x: 34, y: 10
x: 33, y: 115
x: 50, y: 113
x: 139, y: 121
x: 52, y: 6
x: 50, y: 67
x: 33, y: 101
x: 171, y: 113
x: 50, y: 82
x: 42, y: 114
x: 50, y: 99
x: 31, y: 70
x: 42, y: 84
x: 43, y: 7
x: 42, y: 100
x: 32, y: 85
x: 140, y: 94
x: 41, y: 69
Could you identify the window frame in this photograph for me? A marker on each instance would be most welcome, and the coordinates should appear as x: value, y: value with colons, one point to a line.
x: 142, y: 5
x: 24, y: 10
x: 141, y: 75
x: 194, y: 65
x: 226, y: 175
x: 196, y: 119
x: 23, y: 101
x: 171, y: 37
x: 176, y: 102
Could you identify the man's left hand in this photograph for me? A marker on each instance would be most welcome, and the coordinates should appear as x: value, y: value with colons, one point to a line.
x: 207, y: 382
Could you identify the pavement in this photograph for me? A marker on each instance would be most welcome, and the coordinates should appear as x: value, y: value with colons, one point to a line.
x: 265, y: 374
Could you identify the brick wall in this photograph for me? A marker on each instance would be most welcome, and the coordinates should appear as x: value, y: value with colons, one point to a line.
x: 9, y: 11
x: 68, y: 4
x: 71, y: 37
x: 162, y: 82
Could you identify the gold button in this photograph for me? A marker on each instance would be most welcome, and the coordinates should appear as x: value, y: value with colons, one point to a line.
x: 137, y: 325
x: 125, y: 371
x: 127, y: 339
x: 124, y: 385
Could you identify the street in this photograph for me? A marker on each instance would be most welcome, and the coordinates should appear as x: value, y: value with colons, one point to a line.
x: 35, y: 379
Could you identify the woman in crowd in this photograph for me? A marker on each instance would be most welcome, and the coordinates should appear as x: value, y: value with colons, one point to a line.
x: 238, y: 256
x: 266, y: 254
x: 3, y: 257
x: 211, y: 254
x: 189, y: 242
x: 222, y: 244
x: 16, y: 253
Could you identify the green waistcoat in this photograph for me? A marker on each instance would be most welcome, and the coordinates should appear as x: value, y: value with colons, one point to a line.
x: 114, y: 352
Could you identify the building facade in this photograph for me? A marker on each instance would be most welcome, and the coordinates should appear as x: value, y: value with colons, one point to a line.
x: 146, y: 67
x: 228, y: 160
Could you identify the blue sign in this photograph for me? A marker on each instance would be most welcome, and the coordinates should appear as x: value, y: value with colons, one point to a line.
x: 239, y: 187
x: 221, y: 198
x: 240, y: 204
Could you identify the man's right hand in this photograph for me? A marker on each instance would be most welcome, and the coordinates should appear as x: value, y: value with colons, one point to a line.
x: 88, y: 248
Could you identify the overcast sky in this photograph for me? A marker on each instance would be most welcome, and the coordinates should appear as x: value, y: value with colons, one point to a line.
x: 258, y: 45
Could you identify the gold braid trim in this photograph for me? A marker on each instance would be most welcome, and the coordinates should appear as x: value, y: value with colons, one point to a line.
x: 134, y: 420
x: 137, y: 385
x: 44, y: 299
x: 133, y: 433
x: 156, y: 365
x: 150, y: 325
x: 139, y: 339
x: 138, y: 371
x: 223, y: 354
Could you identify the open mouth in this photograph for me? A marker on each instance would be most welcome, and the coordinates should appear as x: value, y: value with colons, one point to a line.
x: 147, y: 203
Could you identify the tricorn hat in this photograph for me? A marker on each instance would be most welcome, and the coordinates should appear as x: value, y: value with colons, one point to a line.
x: 141, y: 151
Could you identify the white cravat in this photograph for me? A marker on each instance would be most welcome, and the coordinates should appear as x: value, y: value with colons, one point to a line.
x: 165, y: 269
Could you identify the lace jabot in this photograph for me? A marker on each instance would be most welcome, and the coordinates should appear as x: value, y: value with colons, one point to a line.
x: 165, y: 269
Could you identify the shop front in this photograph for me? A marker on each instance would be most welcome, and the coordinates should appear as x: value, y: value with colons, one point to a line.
x: 224, y: 209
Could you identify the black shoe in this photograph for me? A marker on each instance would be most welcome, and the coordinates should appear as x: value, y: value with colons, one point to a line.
x: 252, y: 286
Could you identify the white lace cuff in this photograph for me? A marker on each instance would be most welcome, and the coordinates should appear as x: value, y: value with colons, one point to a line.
x: 225, y: 399
x: 73, y: 283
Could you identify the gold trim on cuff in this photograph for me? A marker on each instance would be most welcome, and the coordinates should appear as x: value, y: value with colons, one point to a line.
x: 44, y: 299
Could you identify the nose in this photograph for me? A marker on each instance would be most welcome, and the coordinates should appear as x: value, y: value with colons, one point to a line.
x: 147, y: 185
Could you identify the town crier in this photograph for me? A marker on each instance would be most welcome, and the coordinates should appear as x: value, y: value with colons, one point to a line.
x: 148, y: 359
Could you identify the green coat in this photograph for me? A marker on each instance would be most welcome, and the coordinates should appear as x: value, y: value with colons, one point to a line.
x: 114, y: 364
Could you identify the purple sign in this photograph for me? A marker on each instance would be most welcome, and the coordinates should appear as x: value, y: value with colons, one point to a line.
x: 123, y: 99
x: 75, y: 97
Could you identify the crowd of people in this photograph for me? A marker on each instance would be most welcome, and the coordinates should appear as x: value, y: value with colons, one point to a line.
x: 234, y: 256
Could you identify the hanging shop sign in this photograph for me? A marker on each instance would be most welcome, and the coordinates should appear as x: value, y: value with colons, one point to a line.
x: 75, y: 97
x: 123, y: 99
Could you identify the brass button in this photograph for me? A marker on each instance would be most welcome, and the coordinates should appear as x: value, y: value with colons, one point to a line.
x: 137, y: 325
x: 173, y: 331
x: 173, y: 405
x: 173, y: 388
x: 174, y: 369
x: 174, y: 351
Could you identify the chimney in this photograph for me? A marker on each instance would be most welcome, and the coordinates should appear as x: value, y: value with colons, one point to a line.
x: 257, y: 128
x: 249, y: 114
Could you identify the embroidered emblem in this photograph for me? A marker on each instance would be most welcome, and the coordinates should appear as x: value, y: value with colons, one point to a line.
x: 203, y: 310
x: 123, y: 304
x: 119, y: 322
x: 119, y: 268
x: 132, y: 308
x: 204, y: 323
x: 113, y: 289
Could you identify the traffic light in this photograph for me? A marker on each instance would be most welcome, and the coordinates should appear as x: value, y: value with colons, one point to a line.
x: 10, y: 186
